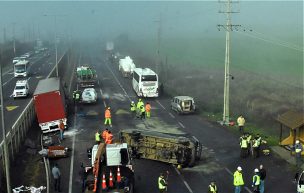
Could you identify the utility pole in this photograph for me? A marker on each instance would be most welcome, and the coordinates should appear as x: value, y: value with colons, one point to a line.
x: 228, y: 27
x: 14, y: 41
x: 159, y: 29
x: 6, y: 156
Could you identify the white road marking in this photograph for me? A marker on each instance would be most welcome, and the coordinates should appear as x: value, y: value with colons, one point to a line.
x: 8, y: 81
x: 160, y: 104
x: 182, y: 178
x: 247, y: 189
x: 104, y: 102
x: 181, y: 125
x: 172, y: 115
x: 229, y: 172
x: 72, y: 157
x: 118, y: 82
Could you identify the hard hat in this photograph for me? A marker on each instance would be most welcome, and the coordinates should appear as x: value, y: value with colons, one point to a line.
x: 297, y: 141
x: 256, y: 170
x: 239, y: 168
x: 132, y: 102
x: 109, y: 108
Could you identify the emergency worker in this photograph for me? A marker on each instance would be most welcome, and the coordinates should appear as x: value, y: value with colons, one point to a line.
x: 258, y: 138
x: 142, y: 112
x: 108, y: 118
x: 298, y: 148
x: 256, y: 181
x: 148, y: 110
x: 109, y: 139
x: 244, y: 146
x: 105, y: 133
x: 162, y: 184
x: 212, y: 188
x: 97, y: 137
x: 238, y: 181
x: 241, y: 122
x: 139, y: 103
x: 132, y: 107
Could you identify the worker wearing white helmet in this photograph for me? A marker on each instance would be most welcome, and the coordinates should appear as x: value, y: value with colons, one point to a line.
x: 132, y: 107
x: 298, y: 148
x: 238, y: 181
x: 256, y: 181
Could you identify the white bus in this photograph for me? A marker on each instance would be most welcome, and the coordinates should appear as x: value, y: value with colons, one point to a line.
x: 145, y: 82
x: 20, y: 68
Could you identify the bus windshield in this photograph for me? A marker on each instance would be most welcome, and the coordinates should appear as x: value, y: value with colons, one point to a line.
x: 149, y: 78
x: 20, y: 68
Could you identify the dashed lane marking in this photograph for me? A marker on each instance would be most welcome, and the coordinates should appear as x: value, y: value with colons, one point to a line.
x: 172, y: 115
x: 104, y: 102
x: 8, y: 81
x: 183, y: 179
x: 72, y: 157
x: 160, y: 104
x: 183, y: 126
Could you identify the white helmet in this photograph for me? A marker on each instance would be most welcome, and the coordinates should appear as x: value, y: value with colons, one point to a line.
x: 256, y: 170
x: 132, y: 102
x: 239, y: 168
x: 297, y: 141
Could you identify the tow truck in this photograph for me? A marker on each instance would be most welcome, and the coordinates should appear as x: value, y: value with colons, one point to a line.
x: 110, y: 171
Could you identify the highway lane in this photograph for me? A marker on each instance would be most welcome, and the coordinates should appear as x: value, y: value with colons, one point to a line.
x: 38, y: 69
x: 221, y: 151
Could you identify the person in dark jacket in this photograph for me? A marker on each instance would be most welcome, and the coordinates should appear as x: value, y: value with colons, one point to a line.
x: 262, y: 173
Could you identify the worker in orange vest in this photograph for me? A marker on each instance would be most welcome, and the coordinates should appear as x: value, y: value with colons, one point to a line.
x: 148, y: 110
x: 109, y: 138
x: 105, y: 133
x: 108, y: 119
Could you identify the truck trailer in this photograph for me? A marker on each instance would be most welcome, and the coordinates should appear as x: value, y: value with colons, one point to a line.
x: 110, y: 169
x: 177, y: 149
x: 49, y: 101
x: 86, y: 76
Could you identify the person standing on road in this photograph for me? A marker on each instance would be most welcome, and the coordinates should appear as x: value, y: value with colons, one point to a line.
x: 162, y: 184
x: 241, y: 123
x: 256, y: 181
x: 238, y: 181
x: 148, y: 110
x: 244, y: 147
x: 97, y: 137
x: 108, y: 118
x: 56, y: 176
x: 298, y: 148
x: 212, y: 187
x: 262, y: 178
x: 61, y: 128
x: 109, y: 139
x: 133, y: 107
x: 105, y: 134
x: 142, y: 112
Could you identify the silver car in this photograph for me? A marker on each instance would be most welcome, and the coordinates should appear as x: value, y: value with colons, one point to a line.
x: 89, y: 95
x: 183, y: 104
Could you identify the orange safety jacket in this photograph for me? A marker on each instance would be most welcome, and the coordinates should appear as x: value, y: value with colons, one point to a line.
x: 104, y: 134
x: 109, y: 138
x: 107, y: 113
x: 148, y: 107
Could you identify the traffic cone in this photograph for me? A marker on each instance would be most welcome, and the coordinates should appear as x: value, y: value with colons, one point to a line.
x: 104, y: 183
x: 111, y: 180
x: 118, y: 175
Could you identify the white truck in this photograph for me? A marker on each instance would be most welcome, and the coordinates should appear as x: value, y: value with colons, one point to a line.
x: 21, y: 89
x: 126, y: 66
x: 20, y: 68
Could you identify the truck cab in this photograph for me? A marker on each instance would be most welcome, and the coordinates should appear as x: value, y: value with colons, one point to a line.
x: 21, y: 89
x: 20, y: 68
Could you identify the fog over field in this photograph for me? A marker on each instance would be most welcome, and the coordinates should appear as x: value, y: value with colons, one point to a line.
x: 266, y: 50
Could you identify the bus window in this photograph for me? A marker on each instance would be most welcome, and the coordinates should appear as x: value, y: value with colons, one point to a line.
x: 149, y: 78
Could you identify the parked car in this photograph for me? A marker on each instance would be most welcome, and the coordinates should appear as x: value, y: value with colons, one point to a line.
x: 89, y: 95
x: 183, y: 104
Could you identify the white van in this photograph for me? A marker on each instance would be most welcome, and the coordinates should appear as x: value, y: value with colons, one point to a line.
x: 21, y: 89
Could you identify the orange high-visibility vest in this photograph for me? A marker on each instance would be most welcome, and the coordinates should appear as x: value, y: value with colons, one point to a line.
x: 109, y: 138
x: 148, y: 107
x: 104, y: 134
x: 107, y: 113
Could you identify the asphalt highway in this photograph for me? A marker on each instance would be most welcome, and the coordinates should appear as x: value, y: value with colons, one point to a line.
x: 220, y: 156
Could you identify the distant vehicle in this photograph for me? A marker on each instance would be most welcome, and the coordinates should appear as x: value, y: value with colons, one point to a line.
x: 183, y: 104
x: 86, y: 76
x: 21, y: 89
x: 106, y: 158
x: 89, y: 95
x: 15, y: 60
x: 126, y: 66
x: 145, y: 82
x: 49, y: 102
x: 110, y: 46
x: 179, y: 149
x: 20, y: 68
x: 27, y: 55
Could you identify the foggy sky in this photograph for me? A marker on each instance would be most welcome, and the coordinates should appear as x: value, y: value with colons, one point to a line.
x: 139, y: 19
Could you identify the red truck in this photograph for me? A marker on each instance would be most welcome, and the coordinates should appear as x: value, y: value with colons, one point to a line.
x: 49, y: 104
